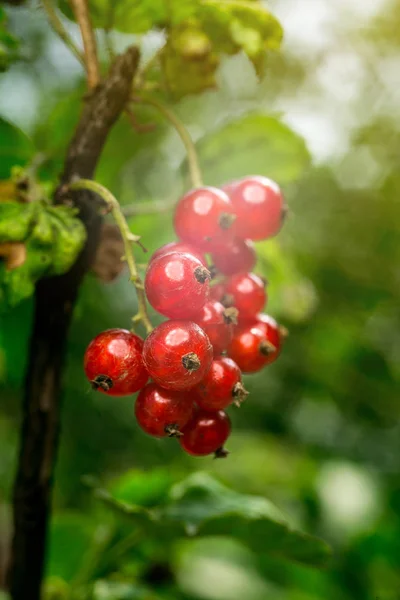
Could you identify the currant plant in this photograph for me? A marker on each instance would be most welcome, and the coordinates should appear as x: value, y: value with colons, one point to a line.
x: 188, y: 370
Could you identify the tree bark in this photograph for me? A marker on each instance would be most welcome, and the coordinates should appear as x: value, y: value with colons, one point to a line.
x: 54, y: 303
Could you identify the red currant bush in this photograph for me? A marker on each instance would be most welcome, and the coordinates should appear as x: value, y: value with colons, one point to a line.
x: 205, y: 218
x: 246, y: 291
x: 179, y: 247
x: 177, y: 354
x: 161, y: 412
x: 113, y: 363
x: 217, y: 322
x: 235, y: 257
x: 205, y: 433
x: 259, y: 206
x: 177, y: 285
x: 221, y: 386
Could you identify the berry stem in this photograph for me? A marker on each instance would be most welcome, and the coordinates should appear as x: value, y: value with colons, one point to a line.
x: 127, y: 237
x: 193, y: 160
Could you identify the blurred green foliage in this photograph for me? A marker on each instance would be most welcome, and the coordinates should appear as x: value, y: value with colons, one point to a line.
x: 319, y: 434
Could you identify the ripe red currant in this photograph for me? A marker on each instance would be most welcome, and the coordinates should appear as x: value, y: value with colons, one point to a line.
x: 259, y: 206
x: 205, y: 217
x: 272, y: 333
x: 217, y: 321
x: 235, y: 257
x: 179, y: 247
x: 162, y: 412
x: 250, y: 349
x: 206, y: 432
x: 177, y: 285
x: 248, y: 293
x: 113, y: 363
x: 221, y: 386
x: 177, y: 354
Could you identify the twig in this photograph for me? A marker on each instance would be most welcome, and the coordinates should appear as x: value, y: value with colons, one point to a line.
x: 54, y: 303
x: 60, y: 30
x: 82, y: 15
x: 194, y: 167
x: 127, y: 237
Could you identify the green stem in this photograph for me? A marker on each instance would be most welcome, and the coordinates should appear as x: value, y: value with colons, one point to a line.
x: 127, y: 237
x: 58, y: 27
x: 194, y: 167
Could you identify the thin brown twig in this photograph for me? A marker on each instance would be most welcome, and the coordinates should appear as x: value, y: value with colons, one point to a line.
x: 60, y: 30
x: 82, y: 15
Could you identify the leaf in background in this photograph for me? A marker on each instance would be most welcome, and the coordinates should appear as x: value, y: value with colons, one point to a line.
x: 144, y: 488
x: 189, y: 62
x: 206, y: 507
x: 294, y: 296
x: 256, y: 143
x: 71, y: 535
x: 115, y: 590
x: 15, y: 148
x: 192, y: 52
x: 8, y: 43
x: 127, y: 16
x: 53, y: 237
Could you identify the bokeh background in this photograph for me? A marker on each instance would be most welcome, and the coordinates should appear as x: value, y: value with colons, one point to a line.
x: 319, y: 434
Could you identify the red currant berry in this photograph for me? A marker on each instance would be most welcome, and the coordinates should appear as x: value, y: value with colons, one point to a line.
x: 221, y: 386
x: 179, y: 247
x: 206, y: 432
x: 177, y: 354
x: 248, y: 293
x: 249, y: 348
x: 177, y: 285
x: 113, y: 363
x: 217, y: 321
x: 239, y: 255
x: 259, y: 206
x: 162, y: 412
x: 272, y: 333
x: 205, y: 217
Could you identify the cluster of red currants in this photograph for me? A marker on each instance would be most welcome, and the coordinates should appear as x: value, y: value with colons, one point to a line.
x: 216, y: 330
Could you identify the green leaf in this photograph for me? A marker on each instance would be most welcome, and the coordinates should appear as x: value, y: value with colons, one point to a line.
x: 189, y: 63
x: 53, y: 237
x: 115, y: 590
x: 8, y: 43
x: 256, y: 143
x: 71, y: 535
x: 206, y: 507
x: 69, y: 235
x: 127, y: 16
x: 16, y: 220
x: 143, y: 488
x: 15, y: 148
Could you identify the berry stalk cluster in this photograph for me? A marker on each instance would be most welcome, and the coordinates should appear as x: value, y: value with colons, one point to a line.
x: 215, y: 329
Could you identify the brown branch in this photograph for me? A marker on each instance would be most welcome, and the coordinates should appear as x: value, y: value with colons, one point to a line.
x: 54, y: 302
x: 82, y: 15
